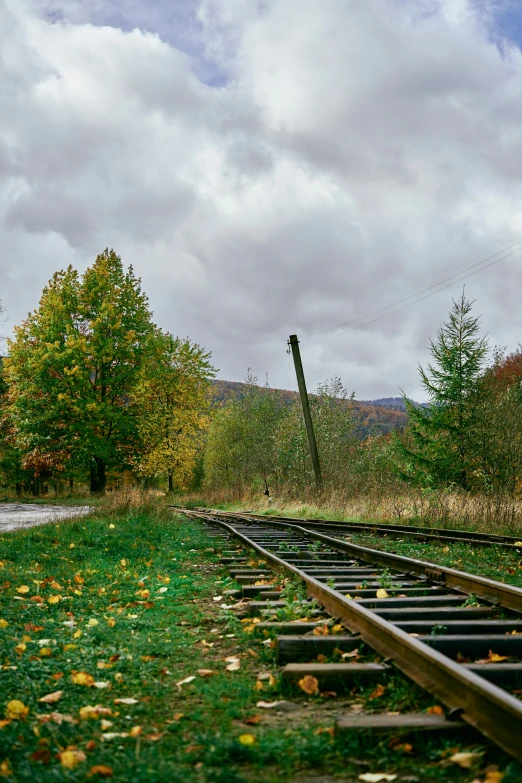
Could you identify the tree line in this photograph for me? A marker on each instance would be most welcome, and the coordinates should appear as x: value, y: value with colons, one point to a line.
x: 91, y: 387
x: 91, y: 390
x: 467, y: 437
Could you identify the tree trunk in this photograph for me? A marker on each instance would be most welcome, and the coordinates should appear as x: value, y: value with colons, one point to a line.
x: 171, y: 482
x: 98, y: 478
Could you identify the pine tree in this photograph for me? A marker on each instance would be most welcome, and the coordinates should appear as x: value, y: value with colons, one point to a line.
x: 435, y: 449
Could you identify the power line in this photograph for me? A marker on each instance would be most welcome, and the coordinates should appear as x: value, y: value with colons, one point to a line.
x: 435, y: 285
x: 347, y: 331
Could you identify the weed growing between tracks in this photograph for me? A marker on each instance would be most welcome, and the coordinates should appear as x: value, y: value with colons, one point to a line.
x: 127, y: 603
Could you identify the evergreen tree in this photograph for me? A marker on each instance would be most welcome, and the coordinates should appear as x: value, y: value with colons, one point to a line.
x: 436, y: 449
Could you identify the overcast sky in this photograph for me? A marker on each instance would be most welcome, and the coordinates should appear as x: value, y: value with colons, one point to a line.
x: 269, y: 167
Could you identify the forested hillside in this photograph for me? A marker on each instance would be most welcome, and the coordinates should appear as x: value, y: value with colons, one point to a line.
x: 370, y: 416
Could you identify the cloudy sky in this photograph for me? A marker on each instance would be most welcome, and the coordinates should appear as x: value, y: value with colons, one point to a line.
x: 269, y: 167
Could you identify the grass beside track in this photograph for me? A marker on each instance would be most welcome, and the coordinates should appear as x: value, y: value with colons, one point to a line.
x: 127, y: 603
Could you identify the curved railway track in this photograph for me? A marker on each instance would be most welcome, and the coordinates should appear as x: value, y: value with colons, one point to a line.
x: 388, y: 530
x: 457, y: 635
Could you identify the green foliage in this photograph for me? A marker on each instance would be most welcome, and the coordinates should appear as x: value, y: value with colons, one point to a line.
x: 436, y: 448
x: 242, y: 447
x: 93, y: 384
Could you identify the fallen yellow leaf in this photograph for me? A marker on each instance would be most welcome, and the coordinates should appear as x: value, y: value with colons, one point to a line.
x: 16, y: 710
x: 247, y: 739
x: 54, y: 599
x: 381, y: 593
x: 3, y: 623
x: 23, y: 589
x: 82, y: 678
x: 5, y: 769
x: 77, y: 634
x: 94, y: 712
x: 92, y: 622
x: 135, y: 731
x: 70, y: 758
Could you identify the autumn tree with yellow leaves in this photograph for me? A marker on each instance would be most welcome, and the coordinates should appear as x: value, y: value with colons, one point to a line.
x: 173, y: 398
x: 79, y: 370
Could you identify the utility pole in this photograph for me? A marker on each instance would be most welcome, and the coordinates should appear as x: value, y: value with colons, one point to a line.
x: 294, y: 345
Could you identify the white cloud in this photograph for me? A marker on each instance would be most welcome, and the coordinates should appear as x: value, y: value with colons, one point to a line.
x: 358, y: 152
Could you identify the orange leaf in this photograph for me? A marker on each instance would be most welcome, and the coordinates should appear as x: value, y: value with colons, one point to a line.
x: 321, y: 630
x: 309, y: 685
x: 377, y: 691
x: 102, y: 770
x: 435, y: 710
x: 329, y: 731
x: 253, y: 720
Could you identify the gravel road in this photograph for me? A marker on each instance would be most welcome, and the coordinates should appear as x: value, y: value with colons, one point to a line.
x: 15, y: 516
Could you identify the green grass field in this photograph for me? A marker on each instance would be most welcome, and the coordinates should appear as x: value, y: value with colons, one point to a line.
x: 106, y: 616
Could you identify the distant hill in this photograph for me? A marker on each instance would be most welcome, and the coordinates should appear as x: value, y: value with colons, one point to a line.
x: 372, y: 416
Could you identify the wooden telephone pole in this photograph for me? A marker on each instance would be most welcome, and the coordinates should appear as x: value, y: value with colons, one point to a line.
x: 293, y: 342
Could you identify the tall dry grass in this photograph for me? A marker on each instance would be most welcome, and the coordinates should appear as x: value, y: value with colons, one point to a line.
x: 134, y: 500
x: 495, y: 513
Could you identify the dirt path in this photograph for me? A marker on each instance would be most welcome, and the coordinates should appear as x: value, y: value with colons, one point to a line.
x: 15, y: 516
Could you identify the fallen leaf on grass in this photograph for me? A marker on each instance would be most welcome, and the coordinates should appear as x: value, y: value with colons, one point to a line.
x: 3, y: 623
x: 155, y: 736
x: 51, y: 697
x: 135, y: 731
x: 101, y: 769
x: 465, y: 760
x: 377, y: 691
x: 22, y: 589
x: 94, y: 712
x: 55, y: 717
x: 54, y: 599
x: 252, y: 721
x: 207, y: 672
x: 267, y: 705
x: 194, y: 748
x: 16, y: 710
x: 92, y: 622
x: 185, y: 681
x: 70, y: 758
x: 246, y: 739
x: 400, y: 747
x: 435, y: 710
x: 130, y: 700
x: 43, y: 756
x: 309, y: 685
x: 105, y: 724
x: 377, y: 777
x: 5, y: 769
x: 110, y: 735
x: 234, y: 663
x: 252, y: 653
x: 324, y: 730
x: 82, y: 678
x: 4, y: 723
x: 147, y: 658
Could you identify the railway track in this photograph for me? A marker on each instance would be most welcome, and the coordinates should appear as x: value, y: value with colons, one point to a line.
x: 388, y: 530
x: 457, y: 635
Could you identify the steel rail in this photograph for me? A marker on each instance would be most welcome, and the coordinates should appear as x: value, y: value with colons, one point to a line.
x: 423, y: 534
x: 491, y: 710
